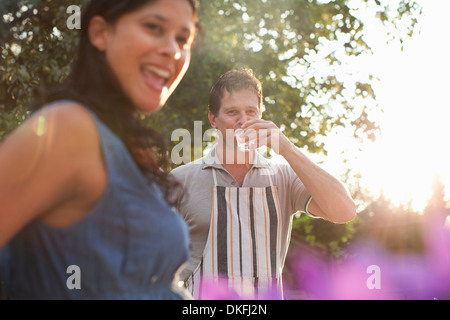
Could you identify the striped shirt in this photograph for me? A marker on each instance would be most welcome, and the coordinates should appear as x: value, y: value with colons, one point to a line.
x: 196, y: 205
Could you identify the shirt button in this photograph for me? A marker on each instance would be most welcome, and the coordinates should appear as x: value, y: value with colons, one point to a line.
x: 233, y: 183
x: 154, y: 279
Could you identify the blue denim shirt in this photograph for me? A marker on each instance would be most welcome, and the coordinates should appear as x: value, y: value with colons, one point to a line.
x: 129, y: 246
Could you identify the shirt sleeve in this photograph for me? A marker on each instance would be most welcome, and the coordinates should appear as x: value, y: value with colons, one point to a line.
x: 299, y: 195
x: 307, y: 211
x: 295, y: 197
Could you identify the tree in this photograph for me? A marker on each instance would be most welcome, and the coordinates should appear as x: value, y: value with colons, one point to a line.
x: 281, y: 40
x: 333, y: 238
x: 36, y: 49
x: 436, y: 207
x: 287, y: 44
x: 396, y: 228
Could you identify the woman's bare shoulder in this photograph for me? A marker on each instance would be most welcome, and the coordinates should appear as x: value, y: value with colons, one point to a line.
x: 41, y: 163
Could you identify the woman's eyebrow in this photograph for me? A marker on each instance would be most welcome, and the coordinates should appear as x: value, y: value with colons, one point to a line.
x: 164, y: 20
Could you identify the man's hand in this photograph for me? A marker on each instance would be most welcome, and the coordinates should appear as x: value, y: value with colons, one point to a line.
x: 330, y: 198
x: 266, y: 133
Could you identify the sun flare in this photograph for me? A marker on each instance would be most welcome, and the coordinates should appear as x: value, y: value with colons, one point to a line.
x: 412, y: 91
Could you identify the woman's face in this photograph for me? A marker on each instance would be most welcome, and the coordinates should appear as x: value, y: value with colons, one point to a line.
x: 149, y: 50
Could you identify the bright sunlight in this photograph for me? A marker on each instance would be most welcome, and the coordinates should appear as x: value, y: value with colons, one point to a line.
x: 413, y: 91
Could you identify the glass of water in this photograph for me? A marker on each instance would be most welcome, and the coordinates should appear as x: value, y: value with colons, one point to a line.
x: 243, y: 142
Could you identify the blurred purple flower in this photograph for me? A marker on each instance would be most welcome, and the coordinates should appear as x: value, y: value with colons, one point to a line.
x: 219, y: 289
x: 369, y: 272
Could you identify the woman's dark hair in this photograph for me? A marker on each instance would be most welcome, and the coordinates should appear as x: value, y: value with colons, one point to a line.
x: 93, y: 83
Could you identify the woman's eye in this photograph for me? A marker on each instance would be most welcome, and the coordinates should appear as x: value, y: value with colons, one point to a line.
x: 182, y: 41
x: 153, y: 27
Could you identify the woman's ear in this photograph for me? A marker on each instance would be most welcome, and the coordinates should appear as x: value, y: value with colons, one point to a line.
x: 98, y: 33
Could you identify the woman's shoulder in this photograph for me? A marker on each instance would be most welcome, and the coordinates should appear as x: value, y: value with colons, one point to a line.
x: 58, y: 124
x: 66, y: 128
x: 67, y: 112
x: 66, y: 119
x: 47, y: 160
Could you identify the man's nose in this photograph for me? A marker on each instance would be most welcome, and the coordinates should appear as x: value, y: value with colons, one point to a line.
x: 243, y: 118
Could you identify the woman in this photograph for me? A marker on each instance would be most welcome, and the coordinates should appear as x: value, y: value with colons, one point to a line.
x: 83, y: 213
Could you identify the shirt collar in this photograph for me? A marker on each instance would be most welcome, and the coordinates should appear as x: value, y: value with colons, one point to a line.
x: 212, y: 161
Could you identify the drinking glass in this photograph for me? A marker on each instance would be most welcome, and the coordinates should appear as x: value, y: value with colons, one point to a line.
x: 244, y: 143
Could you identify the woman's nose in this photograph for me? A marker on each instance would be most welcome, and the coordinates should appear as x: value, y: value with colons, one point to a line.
x: 171, y: 48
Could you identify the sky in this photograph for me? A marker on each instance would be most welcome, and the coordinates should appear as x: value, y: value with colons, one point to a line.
x: 413, y: 91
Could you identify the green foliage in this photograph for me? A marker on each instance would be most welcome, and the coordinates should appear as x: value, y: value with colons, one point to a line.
x: 331, y: 237
x: 280, y: 41
x: 277, y: 40
x: 36, y: 49
x: 397, y: 228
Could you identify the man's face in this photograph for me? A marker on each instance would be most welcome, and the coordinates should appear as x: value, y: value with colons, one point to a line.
x: 236, y: 108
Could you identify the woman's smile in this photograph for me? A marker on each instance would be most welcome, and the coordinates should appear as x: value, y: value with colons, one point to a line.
x: 156, y: 77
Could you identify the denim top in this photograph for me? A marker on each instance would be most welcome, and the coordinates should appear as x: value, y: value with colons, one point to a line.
x: 129, y: 246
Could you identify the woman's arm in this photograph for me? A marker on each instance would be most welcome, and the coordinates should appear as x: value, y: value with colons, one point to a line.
x: 45, y: 165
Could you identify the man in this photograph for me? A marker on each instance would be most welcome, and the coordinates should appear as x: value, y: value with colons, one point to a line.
x: 239, y: 206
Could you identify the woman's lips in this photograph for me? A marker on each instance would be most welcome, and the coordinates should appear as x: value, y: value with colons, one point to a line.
x: 156, y: 78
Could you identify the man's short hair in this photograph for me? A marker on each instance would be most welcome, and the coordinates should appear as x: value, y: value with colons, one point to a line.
x: 234, y: 80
